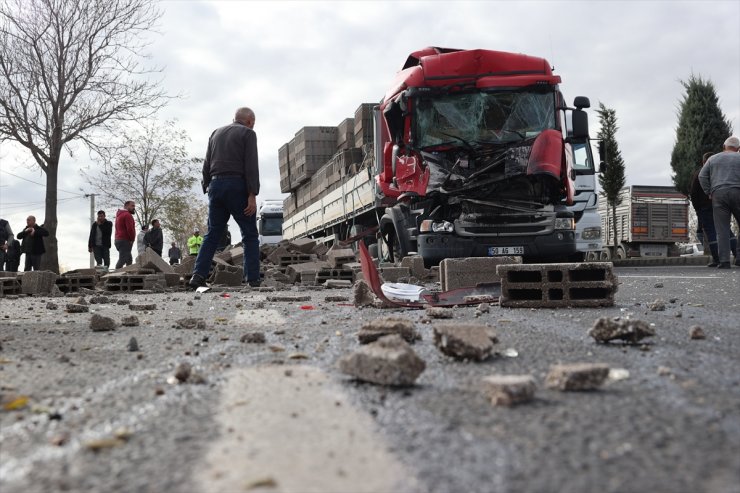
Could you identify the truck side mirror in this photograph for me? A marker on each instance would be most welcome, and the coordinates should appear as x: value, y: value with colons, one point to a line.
x: 579, y: 121
x: 581, y: 102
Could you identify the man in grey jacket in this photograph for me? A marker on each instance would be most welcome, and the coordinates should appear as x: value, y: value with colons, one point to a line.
x: 720, y: 179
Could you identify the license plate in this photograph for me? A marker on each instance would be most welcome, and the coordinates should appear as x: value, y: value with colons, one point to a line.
x: 511, y: 250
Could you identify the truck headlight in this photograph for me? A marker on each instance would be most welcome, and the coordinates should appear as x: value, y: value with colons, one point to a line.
x: 591, y: 233
x: 428, y: 225
x: 565, y: 223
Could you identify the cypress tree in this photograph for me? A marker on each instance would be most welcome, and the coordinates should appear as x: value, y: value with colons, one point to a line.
x: 702, y: 127
x: 612, y: 180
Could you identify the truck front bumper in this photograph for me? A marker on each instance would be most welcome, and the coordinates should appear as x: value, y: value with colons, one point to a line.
x: 434, y: 247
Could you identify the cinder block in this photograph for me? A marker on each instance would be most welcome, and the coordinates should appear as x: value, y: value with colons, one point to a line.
x: 228, y: 275
x: 70, y: 283
x: 37, y: 282
x: 123, y: 281
x: 587, y: 284
x: 9, y: 285
x: 340, y: 256
x: 150, y: 260
x: 296, y: 272
x: 393, y: 274
x: 325, y: 275
x: 303, y: 245
x: 237, y: 256
x: 185, y: 266
x: 468, y: 272
x: 288, y: 260
x: 415, y: 264
x: 276, y: 254
x: 172, y: 279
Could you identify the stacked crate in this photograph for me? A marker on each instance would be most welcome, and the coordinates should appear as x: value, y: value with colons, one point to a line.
x: 314, y: 146
x: 346, y: 134
x: 285, y: 160
x: 364, y: 124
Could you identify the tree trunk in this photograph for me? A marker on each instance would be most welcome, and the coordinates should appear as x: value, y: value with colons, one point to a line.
x: 50, y: 260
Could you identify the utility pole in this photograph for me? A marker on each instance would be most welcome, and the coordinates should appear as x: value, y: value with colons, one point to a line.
x: 92, y: 220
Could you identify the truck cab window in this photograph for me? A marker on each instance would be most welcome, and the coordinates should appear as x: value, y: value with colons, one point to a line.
x: 582, y: 161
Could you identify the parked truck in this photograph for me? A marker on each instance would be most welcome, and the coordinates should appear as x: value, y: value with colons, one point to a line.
x: 471, y: 153
x: 270, y: 222
x: 650, y: 220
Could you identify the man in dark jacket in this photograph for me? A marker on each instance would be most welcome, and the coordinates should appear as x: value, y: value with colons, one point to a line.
x: 231, y: 178
x: 32, y: 243
x: 99, y: 240
x: 174, y: 254
x: 153, y: 238
x: 6, y: 234
x: 125, y: 233
x: 13, y: 255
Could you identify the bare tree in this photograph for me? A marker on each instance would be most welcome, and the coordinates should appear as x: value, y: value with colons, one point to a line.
x: 149, y: 164
x: 69, y: 70
x: 185, y: 215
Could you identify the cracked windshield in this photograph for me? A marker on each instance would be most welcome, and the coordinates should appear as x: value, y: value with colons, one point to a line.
x: 481, y: 118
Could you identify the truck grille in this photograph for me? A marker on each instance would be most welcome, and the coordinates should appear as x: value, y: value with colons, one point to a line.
x: 513, y: 224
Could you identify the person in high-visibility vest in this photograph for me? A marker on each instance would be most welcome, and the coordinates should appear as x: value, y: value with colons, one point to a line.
x: 194, y: 242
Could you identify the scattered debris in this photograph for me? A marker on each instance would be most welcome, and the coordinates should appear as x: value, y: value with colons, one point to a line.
x: 577, y: 376
x: 254, y: 338
x: 658, y: 285
x: 103, y: 443
x: 130, y: 321
x: 657, y: 305
x: 77, y: 308
x: 510, y: 352
x: 13, y: 403
x: 617, y: 374
x: 387, y: 361
x: 463, y: 341
x: 288, y: 299
x: 484, y: 308
x: 183, y: 371
x: 262, y: 483
x: 607, y: 329
x: 697, y: 333
x: 336, y: 299
x: 191, y: 323
x: 133, y: 345
x: 101, y: 300
x: 51, y: 306
x: 99, y: 323
x: 363, y: 295
x: 386, y: 326
x: 438, y: 312
x: 664, y: 371
x: 140, y: 307
x: 508, y: 390
x: 297, y: 356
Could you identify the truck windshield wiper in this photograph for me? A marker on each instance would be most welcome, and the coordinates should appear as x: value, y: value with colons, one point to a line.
x: 465, y: 142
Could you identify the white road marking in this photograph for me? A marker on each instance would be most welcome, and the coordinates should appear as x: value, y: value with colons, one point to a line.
x: 296, y: 432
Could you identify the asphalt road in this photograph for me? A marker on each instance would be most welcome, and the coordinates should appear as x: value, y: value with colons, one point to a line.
x: 280, y: 417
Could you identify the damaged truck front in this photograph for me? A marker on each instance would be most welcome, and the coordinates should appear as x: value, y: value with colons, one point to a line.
x: 474, y: 158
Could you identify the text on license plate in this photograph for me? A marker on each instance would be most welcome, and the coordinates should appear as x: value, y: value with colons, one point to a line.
x: 511, y: 250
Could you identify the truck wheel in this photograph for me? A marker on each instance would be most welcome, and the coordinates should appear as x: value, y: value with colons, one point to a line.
x: 592, y: 256
x: 605, y: 255
x: 621, y: 254
x: 389, y: 248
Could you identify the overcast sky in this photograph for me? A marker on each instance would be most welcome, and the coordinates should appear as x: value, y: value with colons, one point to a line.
x: 312, y: 63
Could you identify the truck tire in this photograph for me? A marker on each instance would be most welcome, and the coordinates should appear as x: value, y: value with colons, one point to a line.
x: 621, y: 253
x: 592, y: 256
x: 605, y: 255
x: 389, y: 248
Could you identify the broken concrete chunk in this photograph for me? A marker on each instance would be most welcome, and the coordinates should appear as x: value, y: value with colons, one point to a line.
x: 577, y: 376
x: 99, y: 323
x: 336, y: 299
x: 508, y: 390
x: 337, y: 284
x: 363, y: 295
x: 75, y: 308
x: 386, y: 326
x: 463, y: 341
x: 657, y: 306
x: 183, y: 371
x: 387, y: 361
x: 438, y: 312
x: 133, y: 345
x: 38, y: 282
x: 131, y: 321
x: 191, y: 323
x: 142, y: 306
x: 607, y: 329
x: 51, y: 306
x: 697, y: 332
x: 288, y: 299
x: 99, y: 300
x: 253, y: 338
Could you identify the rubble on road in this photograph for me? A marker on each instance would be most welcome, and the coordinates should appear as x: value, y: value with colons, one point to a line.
x: 438, y: 312
x: 381, y: 327
x: 77, y: 308
x: 607, y: 329
x: 130, y: 321
x: 99, y: 323
x: 183, y: 371
x: 696, y: 333
x: 577, y: 376
x: 657, y: 306
x: 387, y: 361
x: 140, y: 307
x: 133, y: 345
x: 253, y: 338
x: 509, y: 390
x: 191, y: 323
x: 463, y: 340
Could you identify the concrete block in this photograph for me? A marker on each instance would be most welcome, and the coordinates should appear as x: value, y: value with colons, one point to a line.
x: 9, y: 285
x: 185, y: 266
x: 393, y: 274
x: 228, y: 275
x: 320, y: 249
x: 415, y: 264
x: 37, y: 282
x: 276, y: 254
x: 340, y: 256
x: 172, y: 279
x: 387, y: 361
x: 587, y: 284
x: 467, y: 272
x: 296, y: 271
x: 303, y: 245
x: 150, y: 259
x: 577, y: 376
x: 237, y: 256
x: 508, y: 390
